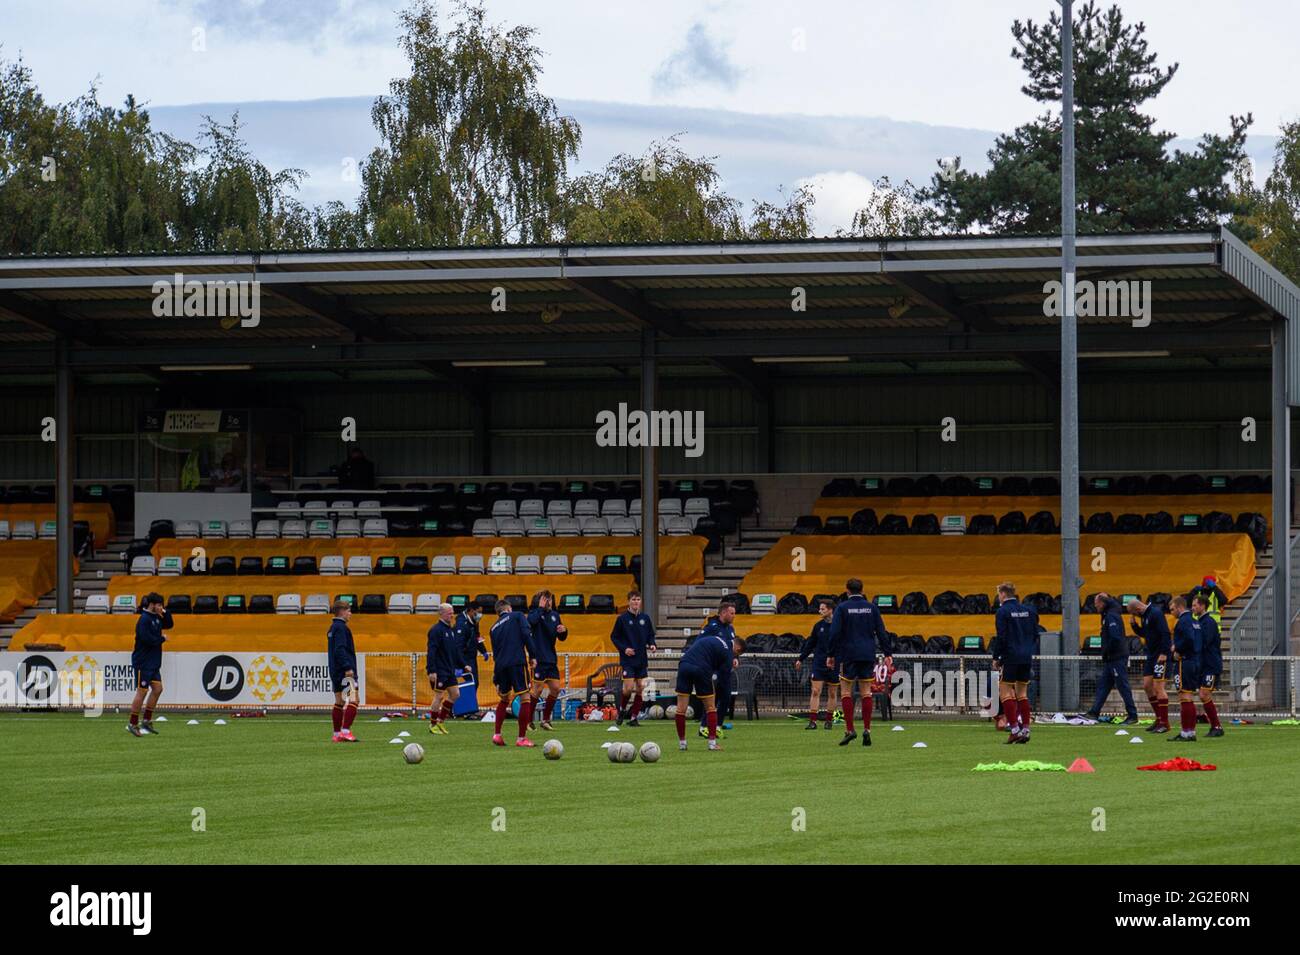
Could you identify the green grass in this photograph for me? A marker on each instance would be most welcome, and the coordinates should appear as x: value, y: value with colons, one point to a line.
x: 79, y: 790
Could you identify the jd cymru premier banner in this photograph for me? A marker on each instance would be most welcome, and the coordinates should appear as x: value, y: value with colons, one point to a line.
x: 94, y: 679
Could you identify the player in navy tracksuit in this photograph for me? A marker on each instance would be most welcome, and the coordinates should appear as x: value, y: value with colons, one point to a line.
x: 857, y: 634
x: 512, y: 649
x: 1148, y: 622
x: 634, y: 637
x: 544, y: 620
x: 343, y: 672
x: 818, y: 646
x: 712, y: 655
x: 472, y: 645
x: 1211, y: 660
x: 1188, y: 643
x: 1013, y: 657
x: 442, y: 662
x: 146, y: 659
x: 1114, y: 660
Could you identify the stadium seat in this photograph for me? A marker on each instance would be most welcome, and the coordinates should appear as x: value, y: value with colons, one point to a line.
x: 533, y: 507
x: 373, y: 603
x: 401, y: 603
x: 583, y: 564
x: 179, y: 603
x: 49, y: 530
x: 528, y: 564
x: 572, y: 603
x: 670, y: 507
x: 161, y: 528
x: 595, y: 527
x: 144, y: 566
x: 342, y: 509
x: 565, y: 527
x: 539, y: 527
x: 267, y: 530
x: 485, y: 527
x: 249, y: 565
x: 206, y: 603
x: 233, y: 603
x: 623, y: 527
x: 24, y: 530
x: 387, y: 564
x: 444, y: 564
x: 243, y: 530
x: 304, y: 566
x: 510, y: 527
x: 374, y: 527
x: 678, y: 526
x: 215, y: 530
x: 698, y: 506
x: 358, y: 565
x: 170, y: 567
x: 807, y: 524
x: 321, y: 528
x: 587, y: 507
x: 555, y: 564
x: 499, y: 564
x: 601, y: 603
x: 613, y: 564
x: 347, y: 527
x: 294, y: 530
x: 261, y: 603
x: 332, y: 565
x: 315, y: 510
x: 559, y: 508
x: 187, y: 530
x: 504, y: 508
x: 427, y: 603
x: 288, y: 510
x: 471, y: 564
x: 4, y: 530
x: 634, y: 508
x: 763, y: 603
x: 415, y: 564
x: 837, y: 524
x: 288, y: 603
x: 369, y: 510
x: 316, y: 604
x: 97, y: 603
x: 613, y: 507
x: 125, y: 603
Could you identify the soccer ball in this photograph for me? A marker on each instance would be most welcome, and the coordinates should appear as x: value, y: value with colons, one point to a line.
x: 656, y: 712
x: 671, y: 711
x: 650, y: 752
x: 626, y: 753
x: 613, y: 750
x: 552, y: 749
x: 690, y: 712
x: 413, y: 753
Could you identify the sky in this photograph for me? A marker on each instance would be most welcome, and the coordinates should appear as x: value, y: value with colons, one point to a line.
x: 833, y: 92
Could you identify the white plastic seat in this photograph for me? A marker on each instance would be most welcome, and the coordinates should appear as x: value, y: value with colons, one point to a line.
x: 315, y: 510
x: 533, y: 507
x: 316, y: 604
x: 555, y: 564
x: 485, y: 527
x: 500, y: 564
x: 347, y: 527
x: 565, y: 527
x: 343, y: 509
x: 124, y: 603
x: 595, y: 527
x: 539, y: 527
x: 288, y: 603
x: 670, y: 506
x: 186, y: 530
x: 528, y: 564
x: 374, y: 527
x: 4, y: 530
x: 401, y: 603
x: 24, y: 530
x: 504, y: 508
x: 510, y: 527
x: 144, y: 566
x: 359, y: 565
x: 97, y: 603
x: 321, y: 528
x: 288, y: 510
x: 49, y: 530
x: 763, y: 603
x: 270, y: 530
x: 679, y: 526
x: 699, y: 506
x: 444, y: 564
x: 471, y: 564
x: 634, y: 509
x: 331, y: 565
x: 214, y: 530
x: 623, y: 527
x: 614, y: 507
x: 583, y: 564
x: 170, y: 567
x: 427, y: 603
x: 243, y: 530
x: 294, y: 530
x: 369, y: 510
x: 587, y: 507
x: 559, y: 509
x: 636, y: 522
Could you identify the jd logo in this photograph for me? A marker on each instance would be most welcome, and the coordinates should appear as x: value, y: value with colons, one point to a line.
x: 223, y: 678
x: 36, y: 679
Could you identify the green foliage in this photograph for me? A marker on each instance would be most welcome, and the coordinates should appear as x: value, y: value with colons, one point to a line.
x: 894, y: 211
x: 1270, y: 216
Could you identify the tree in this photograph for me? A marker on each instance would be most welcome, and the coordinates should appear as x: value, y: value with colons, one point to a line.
x: 1270, y: 220
x: 471, y: 152
x: 1125, y: 178
x: 894, y: 210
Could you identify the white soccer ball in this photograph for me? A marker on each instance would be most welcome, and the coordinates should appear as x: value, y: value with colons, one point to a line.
x: 413, y: 753
x: 626, y: 753
x: 614, y: 751
x: 656, y: 712
x: 671, y: 711
x: 552, y: 749
x: 690, y: 712
x: 650, y: 752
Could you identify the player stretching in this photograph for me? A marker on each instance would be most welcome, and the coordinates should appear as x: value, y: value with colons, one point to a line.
x: 1017, y: 640
x: 1187, y: 651
x: 1148, y: 622
x: 634, y: 637
x: 512, y: 645
x: 441, y: 664
x: 816, y: 646
x: 547, y: 627
x: 343, y: 672
x: 146, y: 660
x: 856, y: 629
x: 1211, y: 660
x: 713, y: 653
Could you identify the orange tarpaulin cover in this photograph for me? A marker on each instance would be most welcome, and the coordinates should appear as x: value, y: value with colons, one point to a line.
x: 388, y: 679
x: 1089, y: 504
x: 27, y: 570
x: 897, y: 565
x: 681, y: 559
x: 99, y: 516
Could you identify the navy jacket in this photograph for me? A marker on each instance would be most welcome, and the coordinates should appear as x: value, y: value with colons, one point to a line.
x: 1017, y: 632
x: 636, y: 631
x: 1188, y: 639
x: 1154, y: 631
x: 512, y: 640
x: 443, y: 654
x: 343, y: 654
x: 147, y: 654
x: 1211, y: 645
x: 818, y: 644
x: 471, y: 641
x: 1114, y: 641
x: 857, y: 631
x: 544, y: 624
x: 711, y: 651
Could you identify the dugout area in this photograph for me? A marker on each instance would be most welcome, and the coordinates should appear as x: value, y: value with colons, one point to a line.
x: 809, y: 361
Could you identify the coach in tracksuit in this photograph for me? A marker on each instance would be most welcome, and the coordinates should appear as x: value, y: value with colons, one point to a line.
x: 1114, y: 659
x: 472, y: 645
x: 146, y: 661
x: 857, y: 635
x: 1013, y: 656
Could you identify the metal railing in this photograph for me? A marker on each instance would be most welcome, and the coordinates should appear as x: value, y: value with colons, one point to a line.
x: 1252, y: 632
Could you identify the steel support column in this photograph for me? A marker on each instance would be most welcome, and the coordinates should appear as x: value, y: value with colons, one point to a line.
x: 64, y: 458
x: 1069, y: 348
x: 1281, y: 518
x: 649, y: 482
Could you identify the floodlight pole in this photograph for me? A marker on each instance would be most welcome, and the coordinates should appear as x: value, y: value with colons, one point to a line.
x: 1070, y: 582
x: 64, y: 462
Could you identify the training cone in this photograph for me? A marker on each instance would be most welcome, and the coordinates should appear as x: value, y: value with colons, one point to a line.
x: 612, y: 729
x: 1081, y: 765
x: 395, y: 739
x: 403, y: 733
x: 919, y: 746
x: 897, y: 729
x: 383, y: 719
x: 192, y: 723
x: 218, y: 722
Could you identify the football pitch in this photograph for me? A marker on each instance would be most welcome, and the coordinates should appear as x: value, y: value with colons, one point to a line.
x: 276, y: 790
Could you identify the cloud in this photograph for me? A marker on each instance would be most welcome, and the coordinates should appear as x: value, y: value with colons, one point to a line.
x: 701, y: 59
x: 363, y: 21
x: 839, y: 195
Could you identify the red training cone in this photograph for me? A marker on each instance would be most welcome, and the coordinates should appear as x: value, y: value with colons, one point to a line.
x: 1081, y: 765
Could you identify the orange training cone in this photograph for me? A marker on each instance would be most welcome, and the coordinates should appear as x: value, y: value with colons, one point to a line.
x: 1081, y: 765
